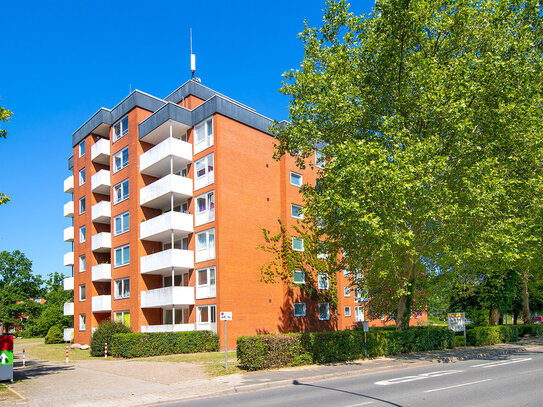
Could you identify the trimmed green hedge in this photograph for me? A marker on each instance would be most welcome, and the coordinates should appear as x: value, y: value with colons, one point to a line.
x: 530, y: 329
x: 491, y: 335
x: 269, y: 351
x: 135, y: 345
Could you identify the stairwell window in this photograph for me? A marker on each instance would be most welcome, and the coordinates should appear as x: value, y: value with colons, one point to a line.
x: 205, y: 172
x: 82, y: 263
x: 120, y: 128
x: 82, y: 292
x: 347, y: 311
x: 122, y: 288
x: 205, y: 208
x: 299, y: 277
x: 81, y: 176
x: 205, y: 245
x: 203, y: 135
x: 122, y: 256
x: 324, y: 311
x: 82, y: 234
x: 299, y: 309
x: 82, y: 205
x: 347, y: 291
x: 82, y: 148
x: 295, y: 179
x: 120, y: 160
x: 82, y: 322
x: 120, y: 191
x: 298, y: 244
x: 296, y: 211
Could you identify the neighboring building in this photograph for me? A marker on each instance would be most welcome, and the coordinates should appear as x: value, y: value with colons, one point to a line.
x: 169, y: 196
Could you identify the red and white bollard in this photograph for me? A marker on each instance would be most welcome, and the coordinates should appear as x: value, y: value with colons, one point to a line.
x: 24, y: 358
x: 105, y: 350
x: 66, y: 353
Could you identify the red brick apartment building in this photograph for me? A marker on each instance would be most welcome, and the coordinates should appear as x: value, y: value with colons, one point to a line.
x: 195, y: 169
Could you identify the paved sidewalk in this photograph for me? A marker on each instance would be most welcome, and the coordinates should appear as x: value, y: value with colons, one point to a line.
x: 135, y: 383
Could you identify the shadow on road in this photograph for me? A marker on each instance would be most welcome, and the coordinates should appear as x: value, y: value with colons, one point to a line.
x: 36, y: 368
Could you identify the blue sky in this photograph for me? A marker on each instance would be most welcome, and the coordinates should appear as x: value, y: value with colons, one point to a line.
x: 61, y: 61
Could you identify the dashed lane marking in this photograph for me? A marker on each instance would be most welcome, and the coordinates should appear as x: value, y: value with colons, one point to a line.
x: 456, y: 385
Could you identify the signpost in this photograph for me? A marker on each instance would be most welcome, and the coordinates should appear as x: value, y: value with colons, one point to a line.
x: 457, y: 323
x: 366, y: 329
x: 225, y: 316
x: 6, y: 357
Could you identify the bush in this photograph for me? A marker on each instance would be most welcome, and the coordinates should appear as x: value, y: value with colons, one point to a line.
x: 530, y: 329
x: 134, y: 345
x: 54, y: 335
x: 491, y: 335
x: 104, y: 334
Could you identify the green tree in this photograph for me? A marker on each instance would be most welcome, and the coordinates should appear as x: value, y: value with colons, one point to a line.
x: 416, y: 108
x: 4, y: 117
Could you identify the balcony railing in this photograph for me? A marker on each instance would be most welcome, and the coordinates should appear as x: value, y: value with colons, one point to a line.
x: 157, y: 194
x: 159, y: 229
x: 68, y: 284
x: 162, y: 262
x: 101, y: 212
x: 101, y: 182
x: 68, y: 308
x: 101, y: 242
x: 69, y: 234
x: 69, y: 209
x: 101, y: 303
x: 69, y: 184
x: 100, y: 151
x: 158, y: 160
x: 69, y: 259
x: 101, y: 272
x: 167, y: 296
x: 168, y: 328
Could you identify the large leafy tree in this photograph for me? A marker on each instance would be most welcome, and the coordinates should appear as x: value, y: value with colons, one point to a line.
x: 416, y: 109
x: 4, y: 117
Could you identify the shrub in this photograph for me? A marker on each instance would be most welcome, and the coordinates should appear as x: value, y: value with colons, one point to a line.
x: 491, y: 335
x: 54, y: 335
x: 133, y: 345
x: 530, y: 329
x: 268, y: 351
x: 104, y: 335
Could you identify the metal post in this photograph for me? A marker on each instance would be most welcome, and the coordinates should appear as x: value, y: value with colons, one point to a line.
x: 24, y: 358
x: 225, y: 348
x: 66, y: 353
x: 465, y: 337
x: 105, y: 350
x: 365, y: 346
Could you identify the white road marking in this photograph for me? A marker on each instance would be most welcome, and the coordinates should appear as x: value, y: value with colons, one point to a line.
x: 457, y: 385
x: 361, y: 404
x: 501, y: 363
x: 418, y: 377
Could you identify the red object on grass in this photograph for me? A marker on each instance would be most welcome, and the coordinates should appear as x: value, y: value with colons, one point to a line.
x: 6, y: 342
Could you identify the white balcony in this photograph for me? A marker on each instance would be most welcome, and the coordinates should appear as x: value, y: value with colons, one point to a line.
x: 206, y: 291
x: 156, y: 161
x: 68, y: 308
x: 69, y: 184
x: 69, y: 259
x: 101, y: 242
x: 157, y: 194
x: 101, y: 303
x: 159, y: 229
x: 100, y: 152
x: 69, y: 234
x: 162, y: 262
x: 167, y: 296
x: 101, y: 182
x: 69, y: 209
x: 101, y: 272
x: 69, y: 284
x: 101, y: 212
x: 207, y: 326
x: 168, y: 328
x: 68, y: 334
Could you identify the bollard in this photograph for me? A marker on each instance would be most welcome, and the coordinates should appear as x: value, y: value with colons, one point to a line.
x: 66, y: 353
x: 24, y: 358
x: 105, y: 350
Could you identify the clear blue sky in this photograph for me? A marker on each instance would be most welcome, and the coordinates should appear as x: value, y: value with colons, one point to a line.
x: 61, y: 61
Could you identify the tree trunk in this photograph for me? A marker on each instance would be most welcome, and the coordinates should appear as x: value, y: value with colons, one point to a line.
x: 403, y: 312
x: 494, y: 316
x: 526, y: 313
x: 515, y: 318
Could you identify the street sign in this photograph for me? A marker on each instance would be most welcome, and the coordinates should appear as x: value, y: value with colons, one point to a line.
x: 366, y: 326
x: 6, y: 357
x: 225, y: 316
x: 457, y: 322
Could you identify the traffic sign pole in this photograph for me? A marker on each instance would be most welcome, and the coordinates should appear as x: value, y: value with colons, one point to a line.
x: 225, y: 347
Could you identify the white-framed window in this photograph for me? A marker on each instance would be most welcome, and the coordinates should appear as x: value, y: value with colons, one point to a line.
x: 299, y: 277
x: 205, y: 245
x: 82, y: 234
x: 121, y: 223
x: 120, y: 191
x: 82, y: 263
x: 205, y: 208
x: 206, y: 283
x: 122, y: 288
x: 82, y: 148
x: 296, y: 211
x: 207, y: 314
x: 82, y: 205
x: 298, y: 244
x: 122, y: 255
x: 204, y: 173
x: 81, y: 176
x: 167, y: 316
x: 359, y: 314
x: 82, y: 292
x: 296, y: 179
x: 320, y: 159
x: 123, y: 317
x: 203, y: 135
x: 299, y: 309
x: 359, y: 295
x: 120, y: 160
x: 324, y: 281
x: 346, y: 273
x: 346, y: 291
x: 167, y: 281
x: 120, y: 129
x: 182, y: 244
x: 324, y: 311
x: 347, y: 311
x: 82, y: 322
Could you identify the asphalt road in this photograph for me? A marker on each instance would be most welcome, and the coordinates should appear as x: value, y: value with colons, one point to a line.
x: 514, y: 380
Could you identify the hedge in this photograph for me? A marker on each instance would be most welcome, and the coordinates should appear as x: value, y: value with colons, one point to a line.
x: 269, y: 351
x: 530, y: 329
x: 135, y: 345
x: 491, y: 335
x: 104, y: 334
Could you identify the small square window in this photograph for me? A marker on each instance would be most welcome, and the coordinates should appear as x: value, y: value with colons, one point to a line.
x: 347, y: 311
x: 82, y: 205
x: 347, y: 291
x: 82, y: 176
x: 324, y: 282
x: 82, y: 234
x: 324, y: 311
x: 299, y: 277
x: 296, y: 211
x: 299, y: 309
x: 296, y: 179
x: 82, y: 148
x: 298, y: 244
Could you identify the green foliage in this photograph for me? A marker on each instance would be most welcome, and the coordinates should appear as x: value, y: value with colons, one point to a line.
x: 104, y: 334
x: 530, y: 330
x: 491, y: 335
x: 54, y: 335
x: 133, y: 345
x: 4, y: 117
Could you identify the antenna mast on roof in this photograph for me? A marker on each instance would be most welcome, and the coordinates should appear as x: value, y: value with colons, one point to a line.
x: 192, y: 58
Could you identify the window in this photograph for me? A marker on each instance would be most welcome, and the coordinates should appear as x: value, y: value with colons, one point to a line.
x: 82, y: 263
x: 206, y: 277
x: 82, y: 323
x: 123, y: 317
x: 359, y: 295
x: 299, y: 309
x: 82, y: 206
x: 182, y: 244
x: 205, y: 208
x: 122, y: 223
x: 120, y: 128
x: 298, y: 244
x: 203, y: 135
x: 296, y: 211
x: 167, y: 316
x: 167, y: 281
x: 120, y: 160
x: 120, y: 191
x: 346, y: 273
x: 323, y: 281
x: 82, y: 148
x: 320, y: 159
x: 347, y: 291
x: 82, y: 234
x: 207, y: 314
x: 204, y: 172
x: 324, y: 311
x: 205, y: 245
x: 82, y: 293
x: 347, y: 311
x: 296, y: 179
x: 359, y: 314
x: 122, y: 256
x: 81, y: 176
x: 122, y: 288
x: 299, y: 277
